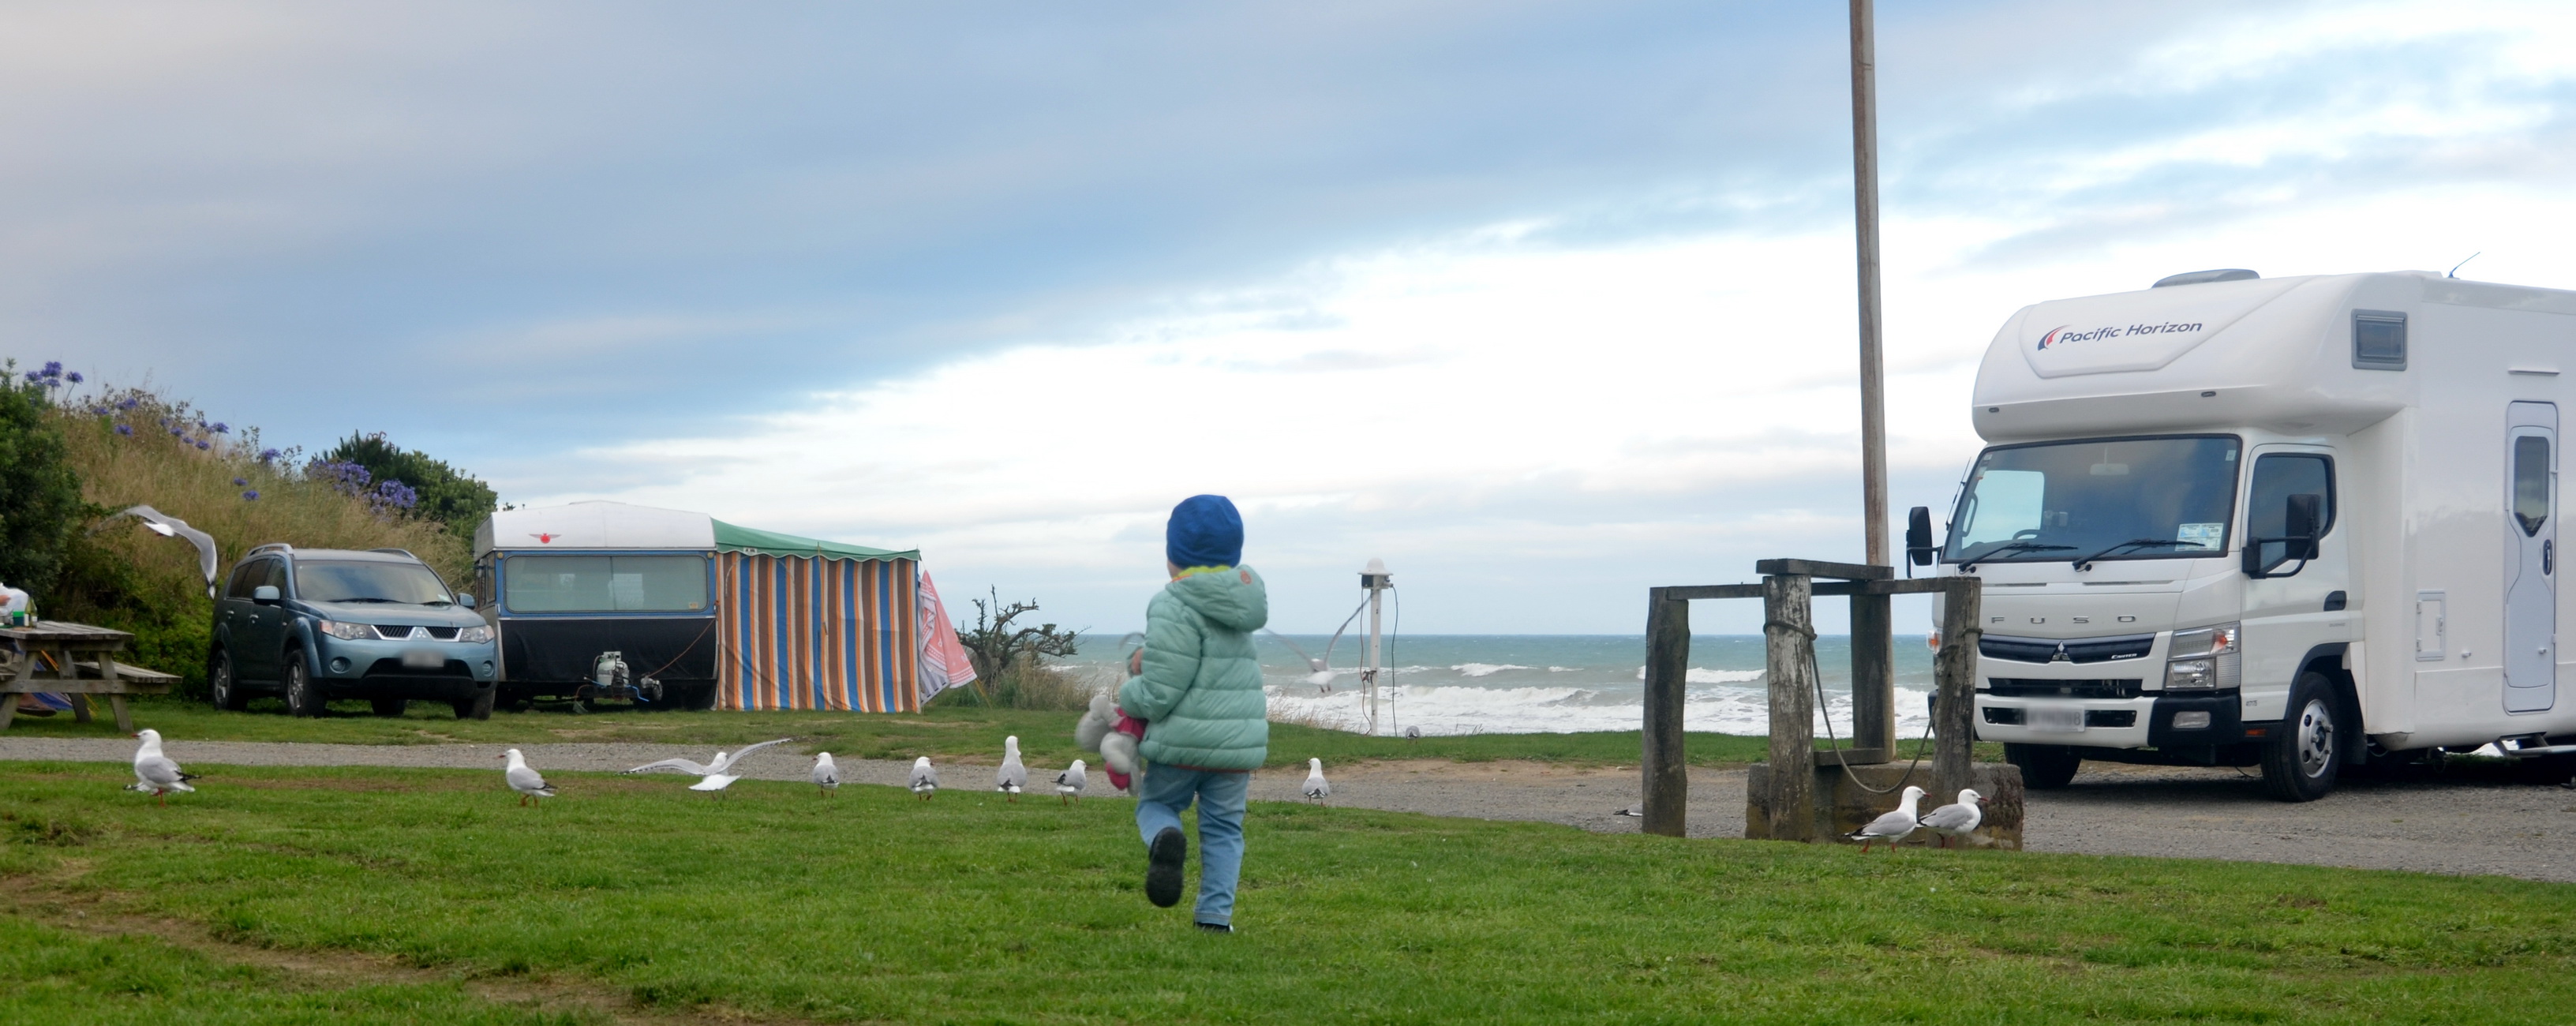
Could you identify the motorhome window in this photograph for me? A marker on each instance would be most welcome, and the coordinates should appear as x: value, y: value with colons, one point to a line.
x: 2267, y: 506
x: 2140, y: 498
x: 2531, y: 483
x: 605, y: 584
x: 2379, y: 339
x: 330, y: 581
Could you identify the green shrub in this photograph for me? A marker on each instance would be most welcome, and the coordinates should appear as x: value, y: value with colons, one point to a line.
x: 40, y: 498
x: 444, y: 494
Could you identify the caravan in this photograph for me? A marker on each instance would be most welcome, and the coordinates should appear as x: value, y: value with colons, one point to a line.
x: 2295, y: 523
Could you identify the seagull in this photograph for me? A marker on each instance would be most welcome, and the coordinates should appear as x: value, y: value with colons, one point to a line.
x: 1068, y: 784
x: 1638, y: 809
x: 154, y: 773
x: 1012, y: 777
x: 1892, y: 827
x: 1413, y: 733
x: 717, y: 775
x: 524, y: 780
x: 1958, y: 820
x: 925, y: 778
x: 826, y: 775
x: 1316, y: 790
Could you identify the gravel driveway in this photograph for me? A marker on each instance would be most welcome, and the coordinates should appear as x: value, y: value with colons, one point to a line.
x: 2434, y: 825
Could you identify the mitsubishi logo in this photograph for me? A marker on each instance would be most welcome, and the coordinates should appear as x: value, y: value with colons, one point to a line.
x: 2061, y: 656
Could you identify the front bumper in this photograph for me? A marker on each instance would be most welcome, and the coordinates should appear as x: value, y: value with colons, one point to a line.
x: 2145, y: 721
x: 369, y: 668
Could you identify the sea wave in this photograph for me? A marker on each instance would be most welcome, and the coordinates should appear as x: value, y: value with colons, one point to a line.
x: 1697, y: 675
x: 1723, y: 707
x: 1486, y: 669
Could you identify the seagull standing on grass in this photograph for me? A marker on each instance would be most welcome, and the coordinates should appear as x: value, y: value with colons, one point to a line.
x: 717, y: 775
x: 925, y: 778
x: 1892, y: 827
x: 1958, y: 820
x: 526, y: 781
x: 1068, y: 784
x: 1316, y: 790
x: 1012, y: 778
x: 826, y: 775
x: 154, y: 773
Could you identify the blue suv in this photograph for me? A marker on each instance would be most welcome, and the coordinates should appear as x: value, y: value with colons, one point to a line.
x: 318, y: 624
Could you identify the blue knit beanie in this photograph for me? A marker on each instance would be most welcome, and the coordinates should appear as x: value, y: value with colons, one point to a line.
x: 1205, y: 531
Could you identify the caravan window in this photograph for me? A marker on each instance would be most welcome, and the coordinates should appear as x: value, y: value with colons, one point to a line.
x: 605, y: 584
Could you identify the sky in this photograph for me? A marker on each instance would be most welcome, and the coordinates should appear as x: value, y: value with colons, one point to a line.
x: 1544, y: 303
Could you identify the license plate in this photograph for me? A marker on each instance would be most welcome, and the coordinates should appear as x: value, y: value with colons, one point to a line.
x: 2053, y: 719
x: 422, y: 659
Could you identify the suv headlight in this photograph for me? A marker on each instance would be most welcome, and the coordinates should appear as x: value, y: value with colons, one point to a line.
x: 474, y: 635
x: 346, y: 631
x: 2203, y: 659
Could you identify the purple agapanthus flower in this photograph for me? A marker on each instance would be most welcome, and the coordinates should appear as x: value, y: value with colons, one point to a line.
x: 266, y: 455
x: 124, y: 430
x: 251, y: 495
x: 201, y: 444
x: 128, y: 404
x: 53, y: 368
x: 396, y: 493
x: 74, y: 376
x: 222, y: 428
x: 238, y: 482
x: 35, y: 375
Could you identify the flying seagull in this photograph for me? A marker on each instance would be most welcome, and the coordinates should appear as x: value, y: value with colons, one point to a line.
x: 154, y: 773
x: 526, y: 781
x: 715, y: 776
x: 1068, y: 784
x: 1316, y: 790
x: 925, y: 778
x: 1958, y: 820
x: 1892, y: 827
x: 1012, y: 778
x: 826, y: 775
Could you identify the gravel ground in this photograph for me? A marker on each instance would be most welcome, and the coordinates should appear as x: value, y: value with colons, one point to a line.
x: 2433, y: 825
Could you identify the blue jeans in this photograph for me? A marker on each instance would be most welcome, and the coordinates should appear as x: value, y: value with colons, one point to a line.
x: 1166, y: 792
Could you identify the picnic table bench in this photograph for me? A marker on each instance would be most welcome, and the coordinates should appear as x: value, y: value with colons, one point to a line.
x: 73, y: 659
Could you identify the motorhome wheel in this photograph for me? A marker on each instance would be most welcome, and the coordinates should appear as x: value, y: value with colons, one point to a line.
x: 2044, y: 767
x: 2301, y: 759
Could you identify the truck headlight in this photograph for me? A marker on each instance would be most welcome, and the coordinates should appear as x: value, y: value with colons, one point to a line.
x: 474, y: 635
x: 346, y: 631
x: 2203, y: 659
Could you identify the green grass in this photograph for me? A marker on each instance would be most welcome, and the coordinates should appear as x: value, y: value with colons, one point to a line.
x: 945, y: 734
x: 873, y: 907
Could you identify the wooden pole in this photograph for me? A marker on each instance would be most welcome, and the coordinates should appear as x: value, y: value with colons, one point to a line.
x: 1667, y: 775
x: 1873, y: 398
x: 1955, y: 673
x: 1789, y: 638
x: 1873, y: 674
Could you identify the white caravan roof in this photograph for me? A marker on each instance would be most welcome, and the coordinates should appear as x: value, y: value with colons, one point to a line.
x: 2272, y: 352
x: 595, y: 525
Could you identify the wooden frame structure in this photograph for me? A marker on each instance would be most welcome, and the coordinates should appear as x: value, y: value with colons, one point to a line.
x: 1788, y: 590
x: 76, y: 660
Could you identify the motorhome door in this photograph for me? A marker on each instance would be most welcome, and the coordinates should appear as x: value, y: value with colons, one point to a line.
x: 2531, y: 542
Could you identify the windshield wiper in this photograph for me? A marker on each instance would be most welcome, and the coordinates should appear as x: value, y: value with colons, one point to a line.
x: 2086, y: 561
x: 2019, y: 546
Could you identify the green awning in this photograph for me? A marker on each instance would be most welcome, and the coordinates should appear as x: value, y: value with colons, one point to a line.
x: 732, y: 538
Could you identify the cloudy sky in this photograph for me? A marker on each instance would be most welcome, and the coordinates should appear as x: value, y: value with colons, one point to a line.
x: 1542, y: 302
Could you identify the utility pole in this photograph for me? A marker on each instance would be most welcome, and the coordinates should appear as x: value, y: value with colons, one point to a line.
x: 1873, y: 391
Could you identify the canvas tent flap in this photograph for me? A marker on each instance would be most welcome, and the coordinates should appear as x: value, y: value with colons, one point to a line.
x: 736, y: 538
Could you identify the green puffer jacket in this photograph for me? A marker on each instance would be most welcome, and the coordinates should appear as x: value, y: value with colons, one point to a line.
x: 1200, y: 693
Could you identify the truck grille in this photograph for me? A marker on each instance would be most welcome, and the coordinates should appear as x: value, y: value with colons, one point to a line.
x: 2033, y: 687
x: 2073, y: 650
x: 399, y: 632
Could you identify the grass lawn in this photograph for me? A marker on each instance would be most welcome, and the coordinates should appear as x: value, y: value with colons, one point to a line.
x: 872, y: 907
x: 975, y: 735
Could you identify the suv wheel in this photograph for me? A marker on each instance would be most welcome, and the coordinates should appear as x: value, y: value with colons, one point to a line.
x: 2044, y: 767
x: 478, y: 707
x: 302, y: 698
x: 2303, y: 755
x: 222, y: 691
x: 390, y: 707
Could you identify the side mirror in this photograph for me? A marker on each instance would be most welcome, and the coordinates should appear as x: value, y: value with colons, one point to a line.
x: 265, y: 594
x: 1918, y: 536
x: 465, y: 600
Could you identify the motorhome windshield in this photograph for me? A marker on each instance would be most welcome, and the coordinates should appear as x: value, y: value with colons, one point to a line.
x: 2122, y: 498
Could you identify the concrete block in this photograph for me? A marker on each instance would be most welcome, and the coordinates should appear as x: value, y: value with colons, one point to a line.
x: 1842, y: 806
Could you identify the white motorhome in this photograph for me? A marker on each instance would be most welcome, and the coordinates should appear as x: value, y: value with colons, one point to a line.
x: 2289, y: 522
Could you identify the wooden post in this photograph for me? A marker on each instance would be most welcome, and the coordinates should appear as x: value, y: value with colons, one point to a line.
x: 1789, y: 640
x: 1873, y: 394
x: 1955, y: 670
x: 1873, y: 674
x: 1667, y: 775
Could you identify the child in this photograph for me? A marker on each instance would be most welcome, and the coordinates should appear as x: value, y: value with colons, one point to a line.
x: 1197, y: 685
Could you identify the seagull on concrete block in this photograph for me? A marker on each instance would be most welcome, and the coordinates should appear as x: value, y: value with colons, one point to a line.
x: 1316, y: 789
x: 154, y: 773
x: 1068, y: 784
x: 1012, y: 778
x: 526, y: 781
x: 826, y: 775
x: 714, y: 776
x: 1891, y: 827
x: 925, y: 778
x: 1957, y: 820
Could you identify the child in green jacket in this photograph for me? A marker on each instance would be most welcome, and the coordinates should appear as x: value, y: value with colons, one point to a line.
x: 1197, y: 685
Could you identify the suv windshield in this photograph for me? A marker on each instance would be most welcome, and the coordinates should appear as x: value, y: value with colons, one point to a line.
x: 2139, y: 498
x: 326, y: 581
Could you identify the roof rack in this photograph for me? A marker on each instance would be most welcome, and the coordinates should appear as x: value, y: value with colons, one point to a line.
x: 271, y: 547
x: 398, y: 552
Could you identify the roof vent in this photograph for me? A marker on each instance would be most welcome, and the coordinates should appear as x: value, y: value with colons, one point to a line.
x: 2205, y: 277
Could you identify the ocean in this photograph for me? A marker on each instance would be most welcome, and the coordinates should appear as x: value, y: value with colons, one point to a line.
x: 1520, y: 683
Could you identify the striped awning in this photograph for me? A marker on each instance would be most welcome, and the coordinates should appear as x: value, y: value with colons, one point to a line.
x: 817, y: 633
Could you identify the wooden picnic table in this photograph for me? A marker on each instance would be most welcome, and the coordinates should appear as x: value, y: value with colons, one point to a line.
x: 73, y: 659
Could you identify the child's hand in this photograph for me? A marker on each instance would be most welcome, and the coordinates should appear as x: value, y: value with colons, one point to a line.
x: 1136, y: 662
